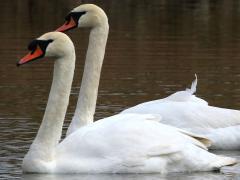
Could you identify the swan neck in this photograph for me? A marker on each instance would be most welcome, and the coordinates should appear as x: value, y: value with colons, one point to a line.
x: 86, y: 104
x: 50, y: 131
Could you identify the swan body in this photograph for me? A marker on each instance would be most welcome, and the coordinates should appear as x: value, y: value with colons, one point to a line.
x: 124, y: 143
x: 117, y: 145
x: 181, y: 109
x: 186, y: 111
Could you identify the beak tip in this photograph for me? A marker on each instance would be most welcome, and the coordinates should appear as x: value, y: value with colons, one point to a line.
x: 18, y: 64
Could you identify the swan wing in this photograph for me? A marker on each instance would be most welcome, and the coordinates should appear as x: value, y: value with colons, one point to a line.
x: 195, y: 117
x: 130, y: 130
x: 220, y: 125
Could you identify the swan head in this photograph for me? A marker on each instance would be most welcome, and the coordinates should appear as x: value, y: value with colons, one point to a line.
x: 52, y: 44
x: 86, y: 15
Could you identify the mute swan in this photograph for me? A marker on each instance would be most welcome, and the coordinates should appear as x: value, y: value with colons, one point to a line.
x: 124, y: 143
x: 181, y: 109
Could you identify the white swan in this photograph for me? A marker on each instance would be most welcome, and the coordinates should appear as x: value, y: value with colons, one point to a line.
x: 125, y: 143
x: 181, y: 109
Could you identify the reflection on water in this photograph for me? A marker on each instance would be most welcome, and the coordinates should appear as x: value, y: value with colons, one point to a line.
x: 193, y: 176
x: 154, y: 49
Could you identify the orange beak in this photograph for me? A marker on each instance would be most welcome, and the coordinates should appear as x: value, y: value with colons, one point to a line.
x: 67, y: 26
x: 31, y: 56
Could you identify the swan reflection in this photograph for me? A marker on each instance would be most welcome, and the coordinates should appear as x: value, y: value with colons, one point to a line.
x: 177, y: 176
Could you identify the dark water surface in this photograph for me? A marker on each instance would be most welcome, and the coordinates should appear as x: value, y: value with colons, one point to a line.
x: 154, y: 49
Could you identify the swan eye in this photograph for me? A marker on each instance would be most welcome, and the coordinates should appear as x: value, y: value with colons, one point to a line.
x: 68, y: 17
x: 41, y: 43
x: 44, y: 43
x: 32, y: 46
x: 75, y: 15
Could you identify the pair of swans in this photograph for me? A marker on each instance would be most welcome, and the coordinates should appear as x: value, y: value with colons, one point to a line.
x: 130, y: 142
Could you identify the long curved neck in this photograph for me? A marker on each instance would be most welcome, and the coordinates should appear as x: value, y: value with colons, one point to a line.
x: 50, y: 130
x: 86, y: 104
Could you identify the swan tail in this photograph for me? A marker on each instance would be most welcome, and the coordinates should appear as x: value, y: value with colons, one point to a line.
x: 202, y: 141
x: 223, y: 161
x: 230, y: 169
x: 193, y: 88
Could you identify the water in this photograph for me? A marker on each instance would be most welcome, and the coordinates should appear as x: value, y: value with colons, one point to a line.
x: 154, y: 49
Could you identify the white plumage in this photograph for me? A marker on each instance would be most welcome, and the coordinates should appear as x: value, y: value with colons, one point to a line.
x: 133, y: 143
x: 124, y: 143
x: 186, y: 111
